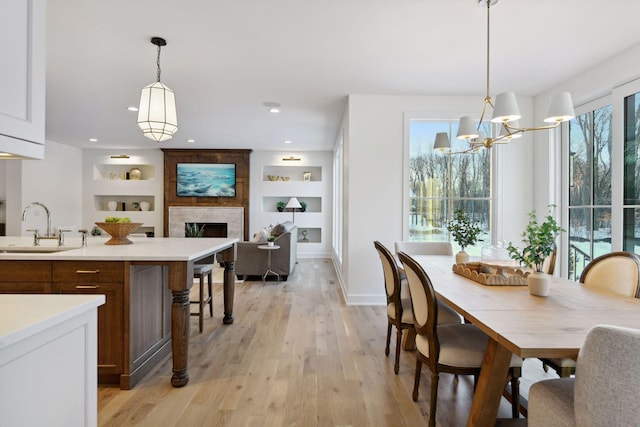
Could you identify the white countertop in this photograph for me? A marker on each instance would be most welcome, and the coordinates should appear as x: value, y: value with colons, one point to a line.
x: 142, y: 249
x: 22, y: 316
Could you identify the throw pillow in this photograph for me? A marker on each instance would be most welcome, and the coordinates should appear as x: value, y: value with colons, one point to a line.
x: 277, y: 230
x: 260, y: 236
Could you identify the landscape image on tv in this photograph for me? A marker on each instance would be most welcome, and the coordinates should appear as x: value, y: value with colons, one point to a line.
x: 206, y: 180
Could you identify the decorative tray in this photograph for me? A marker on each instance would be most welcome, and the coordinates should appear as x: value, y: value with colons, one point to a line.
x: 492, y: 274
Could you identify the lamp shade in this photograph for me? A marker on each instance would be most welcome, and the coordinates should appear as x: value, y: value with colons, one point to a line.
x: 506, y: 108
x: 504, y: 132
x: 157, y: 115
x: 442, y: 141
x: 560, y: 109
x: 466, y: 128
x: 293, y: 203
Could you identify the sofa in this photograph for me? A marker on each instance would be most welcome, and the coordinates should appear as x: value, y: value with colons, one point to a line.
x: 252, y: 261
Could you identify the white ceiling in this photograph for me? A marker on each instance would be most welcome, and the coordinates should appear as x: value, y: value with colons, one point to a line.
x: 225, y: 58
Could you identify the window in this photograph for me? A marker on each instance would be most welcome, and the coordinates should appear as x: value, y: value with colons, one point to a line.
x: 589, y: 226
x: 631, y: 204
x: 441, y: 183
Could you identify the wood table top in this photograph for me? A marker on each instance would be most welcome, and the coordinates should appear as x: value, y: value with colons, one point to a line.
x: 531, y: 326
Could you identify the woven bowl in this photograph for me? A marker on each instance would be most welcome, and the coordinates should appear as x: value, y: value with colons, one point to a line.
x: 119, y: 231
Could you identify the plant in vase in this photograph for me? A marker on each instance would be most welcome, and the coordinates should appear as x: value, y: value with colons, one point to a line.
x: 465, y: 232
x: 270, y: 240
x: 192, y: 230
x: 280, y: 206
x: 540, y: 241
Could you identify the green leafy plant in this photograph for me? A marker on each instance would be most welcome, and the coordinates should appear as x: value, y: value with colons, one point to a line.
x: 281, y: 205
x: 539, y: 239
x: 271, y: 239
x: 304, y: 206
x: 464, y: 230
x: 192, y: 230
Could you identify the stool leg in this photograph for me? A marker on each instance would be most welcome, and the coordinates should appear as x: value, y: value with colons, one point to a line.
x: 210, y: 280
x: 201, y: 315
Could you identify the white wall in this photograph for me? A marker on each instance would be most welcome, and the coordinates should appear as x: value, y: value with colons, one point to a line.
x: 3, y: 190
x: 374, y: 184
x: 55, y: 181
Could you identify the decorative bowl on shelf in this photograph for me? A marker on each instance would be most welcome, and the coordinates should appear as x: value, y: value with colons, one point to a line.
x: 119, y: 231
x: 273, y: 177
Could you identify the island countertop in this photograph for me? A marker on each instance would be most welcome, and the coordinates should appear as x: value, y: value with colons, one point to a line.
x: 142, y: 249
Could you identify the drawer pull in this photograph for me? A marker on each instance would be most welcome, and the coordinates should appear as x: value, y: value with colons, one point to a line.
x: 87, y: 271
x: 87, y: 287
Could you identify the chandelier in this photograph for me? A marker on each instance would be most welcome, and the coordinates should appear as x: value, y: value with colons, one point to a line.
x: 157, y: 112
x: 505, y: 113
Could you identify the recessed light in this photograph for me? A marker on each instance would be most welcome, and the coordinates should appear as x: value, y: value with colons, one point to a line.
x: 287, y: 141
x: 273, y: 107
x: 132, y: 108
x: 93, y: 139
x: 191, y: 140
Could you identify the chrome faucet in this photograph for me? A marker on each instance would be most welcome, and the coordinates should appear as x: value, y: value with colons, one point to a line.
x: 36, y: 236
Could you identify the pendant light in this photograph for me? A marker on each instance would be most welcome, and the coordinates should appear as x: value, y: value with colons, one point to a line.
x: 505, y: 113
x: 157, y: 112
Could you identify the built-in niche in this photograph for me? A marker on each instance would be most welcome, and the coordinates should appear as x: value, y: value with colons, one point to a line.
x: 174, y: 157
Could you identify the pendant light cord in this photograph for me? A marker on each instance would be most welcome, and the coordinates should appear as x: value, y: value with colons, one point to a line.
x: 158, y: 63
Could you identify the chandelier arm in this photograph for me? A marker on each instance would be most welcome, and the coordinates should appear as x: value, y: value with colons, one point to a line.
x: 519, y: 129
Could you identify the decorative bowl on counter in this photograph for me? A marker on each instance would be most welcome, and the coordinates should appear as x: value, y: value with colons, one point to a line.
x: 119, y: 231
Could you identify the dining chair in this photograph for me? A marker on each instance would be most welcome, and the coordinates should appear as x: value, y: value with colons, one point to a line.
x: 446, y: 313
x: 616, y: 272
x: 399, y: 312
x: 452, y: 348
x: 605, y: 387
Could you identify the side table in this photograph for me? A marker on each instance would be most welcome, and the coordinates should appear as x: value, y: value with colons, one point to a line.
x: 269, y: 270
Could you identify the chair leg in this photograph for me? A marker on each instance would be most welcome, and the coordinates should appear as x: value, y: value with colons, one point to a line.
x: 515, y: 396
x: 210, y: 280
x: 416, y: 381
x: 434, y: 398
x: 396, y: 366
x: 201, y: 315
x: 386, y: 349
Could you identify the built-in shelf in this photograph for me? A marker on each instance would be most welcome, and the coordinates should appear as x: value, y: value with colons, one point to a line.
x: 114, y: 172
x: 312, y: 235
x: 130, y: 203
x: 292, y: 173
x: 314, y: 204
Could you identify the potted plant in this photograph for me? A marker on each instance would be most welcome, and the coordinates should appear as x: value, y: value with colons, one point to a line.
x: 270, y: 240
x: 465, y: 232
x: 192, y: 230
x: 280, y: 206
x: 540, y: 241
x: 304, y: 206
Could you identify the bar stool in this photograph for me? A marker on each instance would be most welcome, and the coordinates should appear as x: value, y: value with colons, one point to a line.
x: 199, y: 272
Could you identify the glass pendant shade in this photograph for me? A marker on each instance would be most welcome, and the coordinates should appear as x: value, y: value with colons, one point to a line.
x: 466, y: 128
x: 442, y: 141
x: 506, y: 108
x: 560, y: 109
x: 157, y: 115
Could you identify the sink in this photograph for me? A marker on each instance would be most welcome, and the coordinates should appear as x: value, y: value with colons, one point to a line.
x: 34, y: 249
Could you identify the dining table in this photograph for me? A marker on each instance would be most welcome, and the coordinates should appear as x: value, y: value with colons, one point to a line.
x: 520, y: 323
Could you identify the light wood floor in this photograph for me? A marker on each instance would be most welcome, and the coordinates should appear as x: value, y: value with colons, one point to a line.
x: 295, y: 356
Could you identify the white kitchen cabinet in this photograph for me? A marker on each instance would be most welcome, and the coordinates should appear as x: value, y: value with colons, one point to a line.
x: 22, y: 52
x: 48, y: 360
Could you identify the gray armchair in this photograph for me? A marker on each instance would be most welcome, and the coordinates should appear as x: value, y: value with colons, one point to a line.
x: 605, y: 389
x: 252, y: 261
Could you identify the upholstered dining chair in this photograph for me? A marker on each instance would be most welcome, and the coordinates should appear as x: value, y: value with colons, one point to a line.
x: 453, y: 348
x: 605, y: 389
x: 399, y: 312
x: 445, y: 313
x: 616, y: 272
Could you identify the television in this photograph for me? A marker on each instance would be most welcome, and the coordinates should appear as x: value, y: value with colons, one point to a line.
x: 206, y: 180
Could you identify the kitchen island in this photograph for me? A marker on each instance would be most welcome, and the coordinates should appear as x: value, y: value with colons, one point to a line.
x: 146, y: 285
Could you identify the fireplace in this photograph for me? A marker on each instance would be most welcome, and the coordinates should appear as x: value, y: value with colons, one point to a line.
x: 211, y: 229
x: 217, y: 218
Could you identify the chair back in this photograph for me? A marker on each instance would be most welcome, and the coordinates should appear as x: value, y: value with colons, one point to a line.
x: 607, y: 381
x: 617, y: 272
x: 549, y: 263
x: 424, y: 248
x: 424, y: 303
x: 392, y: 280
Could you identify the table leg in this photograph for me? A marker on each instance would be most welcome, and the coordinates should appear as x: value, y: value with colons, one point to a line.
x: 486, y: 399
x: 180, y: 336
